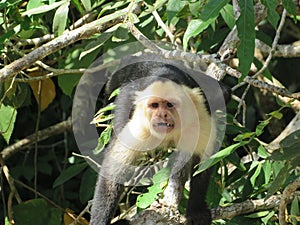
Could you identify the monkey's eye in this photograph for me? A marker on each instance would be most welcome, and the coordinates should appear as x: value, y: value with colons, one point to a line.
x: 170, y: 105
x: 154, y: 105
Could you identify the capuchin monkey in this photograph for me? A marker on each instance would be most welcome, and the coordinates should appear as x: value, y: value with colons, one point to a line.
x: 159, y: 106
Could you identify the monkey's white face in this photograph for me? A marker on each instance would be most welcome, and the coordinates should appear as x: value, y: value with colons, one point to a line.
x: 161, y: 114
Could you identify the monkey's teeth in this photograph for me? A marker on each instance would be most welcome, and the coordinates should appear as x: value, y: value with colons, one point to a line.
x: 165, y: 124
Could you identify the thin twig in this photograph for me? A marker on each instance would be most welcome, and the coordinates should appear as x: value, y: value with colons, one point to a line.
x: 13, y: 191
x: 163, y: 26
x: 39, y: 194
x: 274, y: 44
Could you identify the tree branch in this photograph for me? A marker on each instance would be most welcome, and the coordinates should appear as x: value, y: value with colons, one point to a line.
x: 161, y: 215
x: 286, y: 197
x: 31, y: 139
x: 62, y: 41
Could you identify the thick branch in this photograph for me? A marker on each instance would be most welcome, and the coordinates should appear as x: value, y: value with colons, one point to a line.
x: 161, y: 216
x: 60, y: 42
x: 198, y: 59
x: 293, y: 126
x: 285, y: 51
x: 31, y: 139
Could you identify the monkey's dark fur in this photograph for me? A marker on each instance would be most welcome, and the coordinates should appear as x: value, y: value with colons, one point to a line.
x: 108, y: 188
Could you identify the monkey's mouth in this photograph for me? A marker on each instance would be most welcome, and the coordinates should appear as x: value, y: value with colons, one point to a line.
x: 163, y: 127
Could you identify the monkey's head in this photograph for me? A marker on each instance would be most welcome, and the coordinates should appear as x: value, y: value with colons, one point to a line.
x: 161, y: 113
x: 160, y: 105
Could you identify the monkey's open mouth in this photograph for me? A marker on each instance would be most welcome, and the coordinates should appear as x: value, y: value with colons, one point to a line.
x: 163, y: 127
x: 165, y: 124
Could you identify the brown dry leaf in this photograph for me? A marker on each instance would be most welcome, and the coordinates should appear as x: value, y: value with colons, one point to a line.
x: 47, y: 88
x: 69, y: 218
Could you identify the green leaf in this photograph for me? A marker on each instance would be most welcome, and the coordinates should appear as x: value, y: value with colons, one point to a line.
x: 67, y: 82
x: 295, y: 210
x: 8, y: 117
x: 246, y: 33
x: 244, y: 136
x: 159, y: 181
x: 272, y: 14
x: 174, y: 7
x: 289, y: 147
x: 161, y: 176
x: 261, y: 126
x: 291, y: 140
x: 194, y: 28
x: 195, y: 8
x: 267, y: 218
x: 87, y: 4
x: 34, y: 4
x: 290, y: 6
x: 7, y: 221
x: 121, y: 34
x: 212, y: 9
x: 78, y: 6
x: 279, y: 181
x: 69, y: 173
x: 267, y: 168
x: 103, y: 140
x: 60, y: 19
x: 217, y: 157
x: 145, y: 200
x: 278, y: 115
x: 262, y: 152
x: 258, y: 214
x: 96, y: 44
x: 256, y: 174
x: 87, y: 185
x: 36, y: 211
x: 43, y: 8
x: 112, y: 5
x: 228, y: 15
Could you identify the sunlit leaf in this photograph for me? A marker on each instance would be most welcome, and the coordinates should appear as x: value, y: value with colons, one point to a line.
x: 261, y: 126
x: 60, y: 19
x: 217, y: 157
x: 8, y: 117
x: 43, y: 8
x: 228, y: 15
x: 194, y: 28
x: 87, y: 4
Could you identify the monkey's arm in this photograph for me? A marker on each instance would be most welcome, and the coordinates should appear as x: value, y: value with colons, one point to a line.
x: 105, y: 200
x: 110, y: 182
